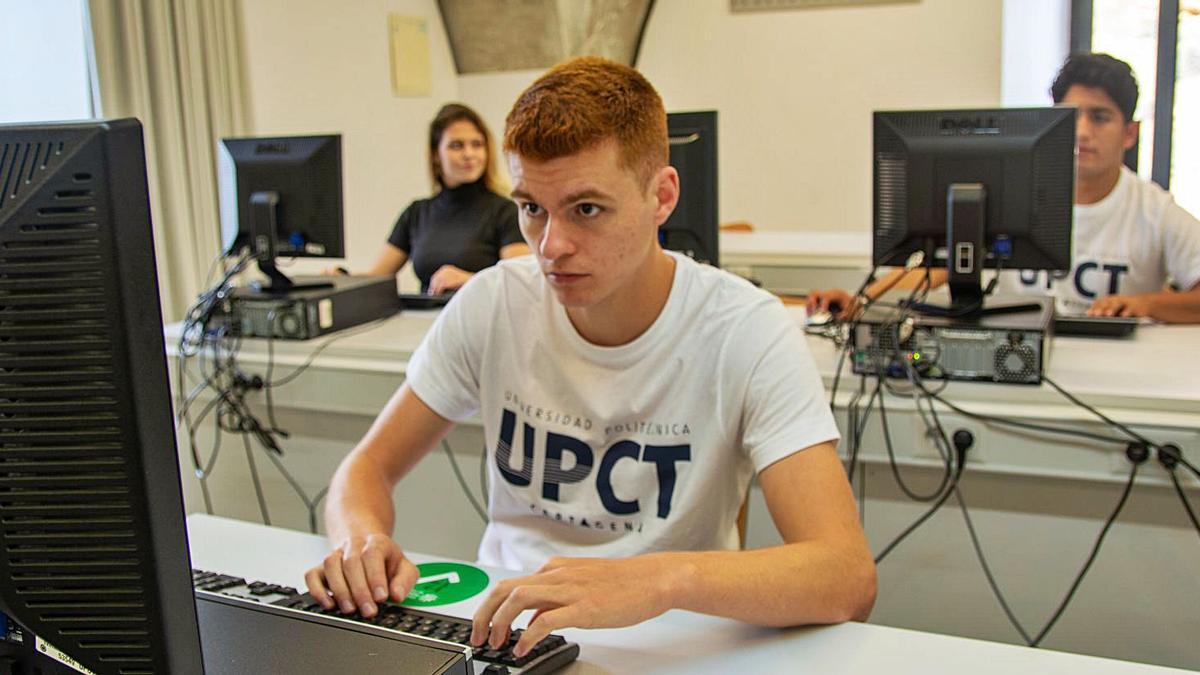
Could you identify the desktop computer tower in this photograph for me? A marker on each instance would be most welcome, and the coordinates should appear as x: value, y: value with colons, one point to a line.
x: 310, y: 313
x: 1006, y: 347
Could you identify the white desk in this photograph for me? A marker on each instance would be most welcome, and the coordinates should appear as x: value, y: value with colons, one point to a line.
x: 798, y: 261
x: 1038, y: 502
x: 679, y: 642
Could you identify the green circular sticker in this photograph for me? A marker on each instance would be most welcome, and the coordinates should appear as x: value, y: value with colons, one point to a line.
x: 443, y: 583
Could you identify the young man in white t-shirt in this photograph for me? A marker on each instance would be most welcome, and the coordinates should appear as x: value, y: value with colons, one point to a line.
x: 1129, y: 237
x: 628, y: 396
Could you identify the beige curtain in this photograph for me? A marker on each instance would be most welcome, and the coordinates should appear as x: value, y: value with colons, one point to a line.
x: 176, y: 65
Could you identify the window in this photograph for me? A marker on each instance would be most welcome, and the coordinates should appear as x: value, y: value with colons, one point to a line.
x: 1161, y: 40
x: 46, y: 75
x: 1185, y: 150
x: 1128, y: 29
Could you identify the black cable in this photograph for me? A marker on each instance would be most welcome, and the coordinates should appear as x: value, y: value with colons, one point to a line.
x: 960, y: 464
x: 880, y: 369
x: 1187, y: 506
x: 987, y: 570
x: 312, y: 511
x: 1026, y: 425
x: 909, y: 492
x: 320, y: 348
x: 258, y: 491
x: 956, y: 459
x: 1036, y: 641
x: 861, y: 310
x: 1091, y: 558
x: 310, y: 504
x: 862, y: 414
x: 267, y: 391
x: 975, y: 543
x: 462, y: 482
x: 1111, y: 422
x: 1170, y: 456
x: 855, y: 429
x: 919, y: 521
x: 853, y: 324
x: 216, y: 344
x: 954, y: 488
x: 1191, y: 467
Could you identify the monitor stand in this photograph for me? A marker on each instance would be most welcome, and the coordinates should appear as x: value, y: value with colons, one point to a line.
x: 263, y: 226
x: 966, y: 212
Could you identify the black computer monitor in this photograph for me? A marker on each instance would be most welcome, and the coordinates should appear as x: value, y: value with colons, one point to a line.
x: 974, y: 189
x: 692, y: 227
x: 282, y: 196
x: 93, y: 546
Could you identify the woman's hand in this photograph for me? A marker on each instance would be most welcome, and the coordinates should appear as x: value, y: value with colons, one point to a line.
x: 448, y: 278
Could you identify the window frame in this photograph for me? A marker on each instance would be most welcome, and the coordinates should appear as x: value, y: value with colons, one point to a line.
x: 1164, y: 80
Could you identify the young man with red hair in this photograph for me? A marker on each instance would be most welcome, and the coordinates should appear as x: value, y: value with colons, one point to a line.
x: 628, y: 395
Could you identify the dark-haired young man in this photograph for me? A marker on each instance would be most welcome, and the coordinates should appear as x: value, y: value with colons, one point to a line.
x: 628, y: 396
x: 1129, y: 237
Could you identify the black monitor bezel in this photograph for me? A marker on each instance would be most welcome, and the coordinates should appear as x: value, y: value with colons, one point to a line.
x: 1035, y: 147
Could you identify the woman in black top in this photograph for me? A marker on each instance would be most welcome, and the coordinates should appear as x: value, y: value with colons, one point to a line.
x: 466, y: 225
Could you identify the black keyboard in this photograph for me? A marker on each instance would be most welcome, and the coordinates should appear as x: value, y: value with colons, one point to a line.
x: 547, y: 656
x: 423, y: 301
x: 1095, y: 326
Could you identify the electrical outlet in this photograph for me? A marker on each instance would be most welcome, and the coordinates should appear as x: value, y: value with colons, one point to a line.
x: 925, y: 445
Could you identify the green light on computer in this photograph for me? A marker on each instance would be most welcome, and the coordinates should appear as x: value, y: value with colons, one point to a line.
x: 916, y: 356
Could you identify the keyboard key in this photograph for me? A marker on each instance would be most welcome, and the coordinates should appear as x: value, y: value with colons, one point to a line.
x: 551, y: 653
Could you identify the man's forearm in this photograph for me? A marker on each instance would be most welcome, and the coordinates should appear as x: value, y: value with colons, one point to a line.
x: 789, y: 585
x: 899, y: 278
x: 359, y: 501
x: 1174, y: 307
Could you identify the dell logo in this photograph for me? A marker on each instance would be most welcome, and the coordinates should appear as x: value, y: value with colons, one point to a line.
x: 967, y: 126
x: 271, y: 148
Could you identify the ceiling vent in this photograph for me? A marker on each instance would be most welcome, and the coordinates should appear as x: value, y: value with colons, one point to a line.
x: 488, y: 36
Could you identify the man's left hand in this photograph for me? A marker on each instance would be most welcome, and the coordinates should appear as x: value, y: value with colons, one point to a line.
x: 1120, y: 305
x: 447, y: 278
x: 578, y: 593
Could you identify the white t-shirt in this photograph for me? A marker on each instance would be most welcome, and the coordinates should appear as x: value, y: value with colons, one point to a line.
x: 1130, y: 242
x: 615, y: 451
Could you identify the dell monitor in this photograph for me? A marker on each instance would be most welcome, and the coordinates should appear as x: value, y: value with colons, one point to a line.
x: 973, y: 189
x: 93, y: 547
x: 692, y: 227
x: 282, y: 196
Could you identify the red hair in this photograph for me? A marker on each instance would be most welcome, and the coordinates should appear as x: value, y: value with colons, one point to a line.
x: 584, y: 101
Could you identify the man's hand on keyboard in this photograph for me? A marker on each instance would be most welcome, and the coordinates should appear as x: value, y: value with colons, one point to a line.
x: 360, y: 573
x: 579, y: 593
x: 1120, y: 305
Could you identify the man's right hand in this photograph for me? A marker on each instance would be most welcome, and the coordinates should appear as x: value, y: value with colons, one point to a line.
x: 363, y: 571
x: 835, y: 301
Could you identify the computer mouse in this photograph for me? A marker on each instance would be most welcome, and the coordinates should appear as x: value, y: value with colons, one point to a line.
x: 818, y: 318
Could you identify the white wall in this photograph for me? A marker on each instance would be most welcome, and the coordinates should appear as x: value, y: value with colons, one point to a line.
x: 794, y: 91
x: 319, y: 67
x: 1037, y: 39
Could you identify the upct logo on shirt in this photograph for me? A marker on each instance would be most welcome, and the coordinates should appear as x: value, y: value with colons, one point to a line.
x: 1090, y: 278
x: 662, y: 460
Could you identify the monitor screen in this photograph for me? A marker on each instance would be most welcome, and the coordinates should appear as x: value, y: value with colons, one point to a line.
x: 692, y: 227
x: 303, y: 173
x: 87, y: 564
x: 975, y: 188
